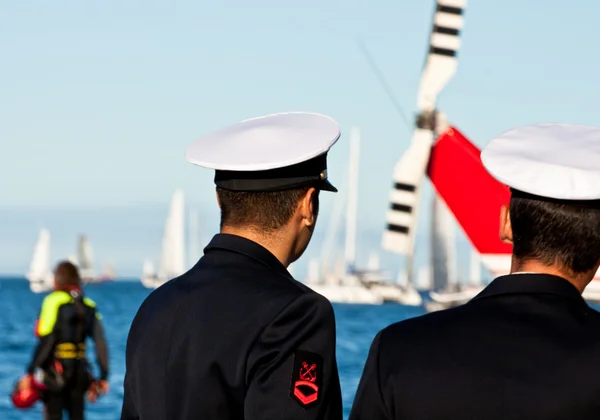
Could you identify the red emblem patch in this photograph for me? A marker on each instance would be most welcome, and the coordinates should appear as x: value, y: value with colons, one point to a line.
x: 306, y: 378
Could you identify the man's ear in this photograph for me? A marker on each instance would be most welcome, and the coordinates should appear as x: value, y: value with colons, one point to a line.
x: 308, y: 212
x: 505, y: 227
x: 218, y: 200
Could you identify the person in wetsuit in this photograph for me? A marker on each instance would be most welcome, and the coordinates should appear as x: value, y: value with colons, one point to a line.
x: 66, y: 319
x: 236, y: 337
x: 528, y: 346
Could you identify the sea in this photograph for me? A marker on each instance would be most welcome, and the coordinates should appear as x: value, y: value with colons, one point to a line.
x: 118, y: 302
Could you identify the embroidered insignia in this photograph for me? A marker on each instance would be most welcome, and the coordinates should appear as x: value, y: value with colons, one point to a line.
x: 307, y: 378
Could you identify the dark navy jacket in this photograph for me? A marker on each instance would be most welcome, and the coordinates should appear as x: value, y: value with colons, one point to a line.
x: 236, y: 337
x: 527, y: 347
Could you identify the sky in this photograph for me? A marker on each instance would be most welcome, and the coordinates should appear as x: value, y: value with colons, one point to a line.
x: 98, y: 100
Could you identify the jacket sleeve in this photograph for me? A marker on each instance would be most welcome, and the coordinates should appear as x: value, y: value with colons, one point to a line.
x: 292, y: 370
x: 369, y: 401
x: 129, y: 410
x: 100, y: 345
x: 45, y: 332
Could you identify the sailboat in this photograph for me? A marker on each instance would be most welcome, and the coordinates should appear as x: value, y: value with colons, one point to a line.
x: 347, y: 286
x: 172, y: 261
x: 403, y: 291
x: 85, y: 260
x: 413, y: 165
x: 455, y: 294
x: 40, y: 274
x: 149, y: 278
x: 194, y: 239
x: 108, y: 273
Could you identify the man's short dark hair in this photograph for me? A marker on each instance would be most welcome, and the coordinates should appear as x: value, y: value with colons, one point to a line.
x: 266, y: 211
x: 67, y: 274
x: 556, y: 234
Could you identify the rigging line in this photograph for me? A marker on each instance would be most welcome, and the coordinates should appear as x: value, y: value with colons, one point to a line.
x: 384, y: 85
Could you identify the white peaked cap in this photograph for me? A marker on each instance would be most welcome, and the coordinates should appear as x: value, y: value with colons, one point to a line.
x: 556, y: 161
x: 268, y: 153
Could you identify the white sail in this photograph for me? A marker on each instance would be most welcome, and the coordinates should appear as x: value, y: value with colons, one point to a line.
x: 85, y: 259
x: 352, y: 203
x: 40, y: 274
x: 172, y: 261
x: 327, y: 265
x: 149, y: 278
x: 312, y: 276
x: 148, y: 268
x: 194, y: 246
x: 424, y: 281
x: 373, y: 264
x: 475, y: 268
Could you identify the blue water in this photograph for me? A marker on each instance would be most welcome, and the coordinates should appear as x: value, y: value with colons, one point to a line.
x: 118, y: 302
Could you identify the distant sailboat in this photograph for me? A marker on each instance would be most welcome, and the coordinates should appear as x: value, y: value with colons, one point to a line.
x: 194, y: 239
x: 148, y: 274
x: 172, y: 261
x: 108, y: 273
x: 40, y: 274
x: 454, y: 294
x: 347, y: 286
x: 85, y: 260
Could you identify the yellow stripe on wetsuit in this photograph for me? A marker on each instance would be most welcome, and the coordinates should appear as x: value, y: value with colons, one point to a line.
x: 69, y: 351
x: 50, y: 307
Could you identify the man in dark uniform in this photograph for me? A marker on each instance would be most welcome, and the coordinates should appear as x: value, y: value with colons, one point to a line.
x: 236, y: 337
x: 528, y: 346
x: 67, y: 319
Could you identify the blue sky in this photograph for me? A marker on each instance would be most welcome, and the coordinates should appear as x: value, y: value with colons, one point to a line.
x: 98, y: 100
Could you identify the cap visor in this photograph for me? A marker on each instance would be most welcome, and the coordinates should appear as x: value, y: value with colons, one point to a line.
x: 326, y: 186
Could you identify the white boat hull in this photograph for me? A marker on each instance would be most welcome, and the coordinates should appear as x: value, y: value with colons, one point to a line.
x: 392, y: 293
x: 41, y: 285
x: 347, y: 294
x: 445, y: 300
x: 152, y: 282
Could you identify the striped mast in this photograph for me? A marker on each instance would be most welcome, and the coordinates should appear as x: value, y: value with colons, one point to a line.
x: 440, y: 66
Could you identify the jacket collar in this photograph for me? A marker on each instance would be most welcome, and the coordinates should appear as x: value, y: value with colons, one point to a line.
x: 247, y: 248
x: 532, y: 283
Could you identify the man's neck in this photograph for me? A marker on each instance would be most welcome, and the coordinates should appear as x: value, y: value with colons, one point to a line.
x: 272, y: 242
x: 580, y: 282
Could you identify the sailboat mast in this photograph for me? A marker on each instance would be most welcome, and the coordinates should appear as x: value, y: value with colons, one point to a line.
x: 443, y: 258
x: 193, y: 238
x: 410, y: 268
x: 475, y: 268
x: 352, y: 205
x: 329, y: 243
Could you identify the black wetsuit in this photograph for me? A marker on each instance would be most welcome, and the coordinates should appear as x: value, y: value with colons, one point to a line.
x: 66, y: 320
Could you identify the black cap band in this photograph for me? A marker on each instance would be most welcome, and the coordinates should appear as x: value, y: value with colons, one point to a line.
x: 312, y: 172
x: 591, y: 204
